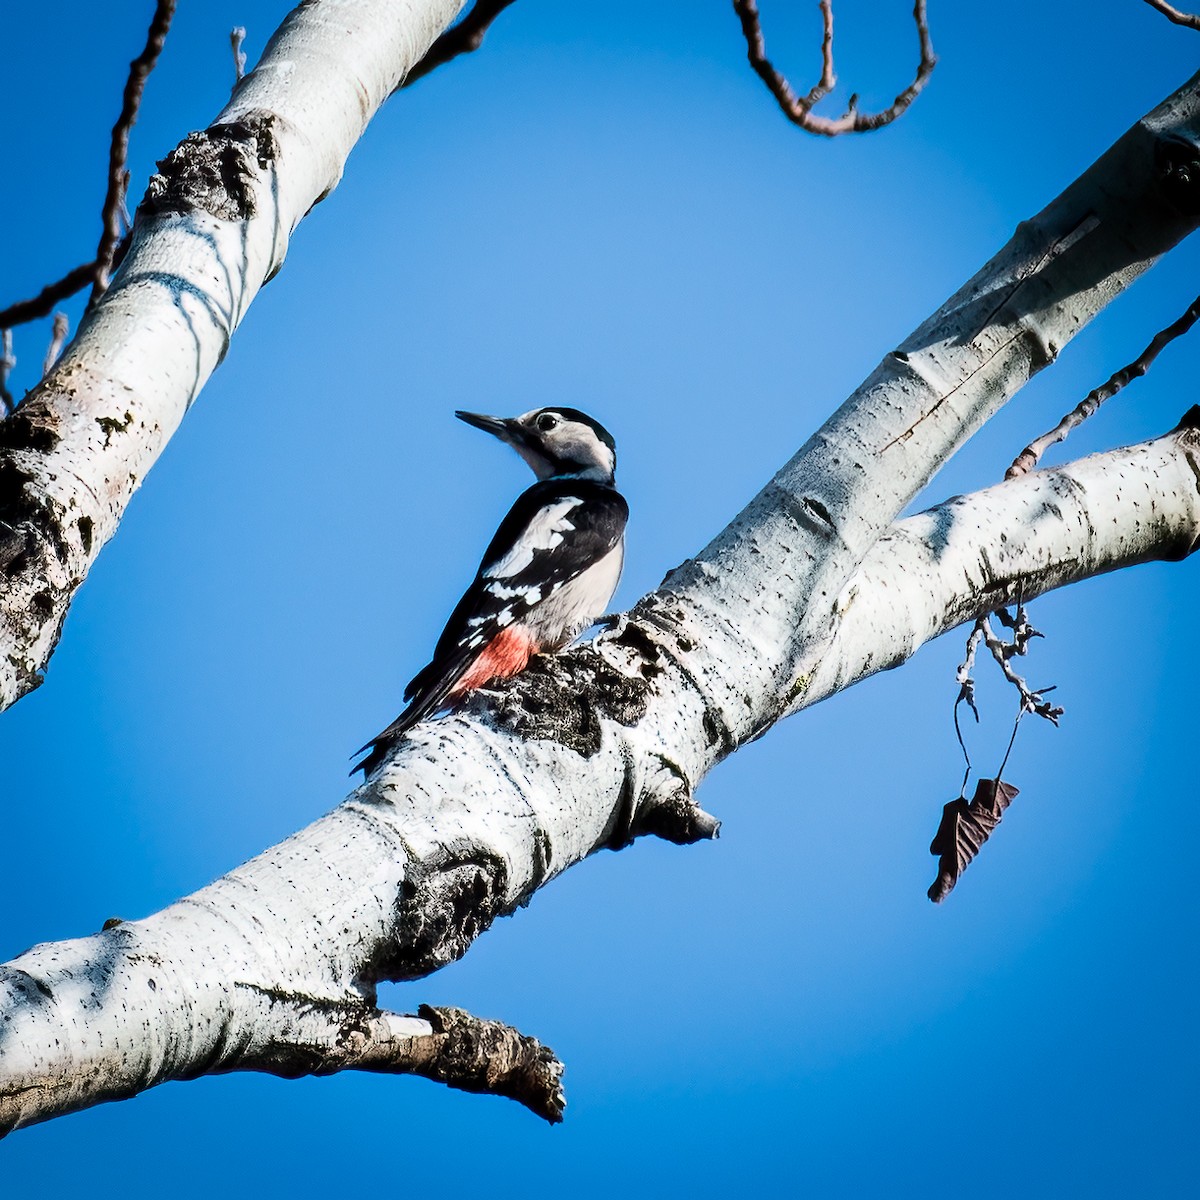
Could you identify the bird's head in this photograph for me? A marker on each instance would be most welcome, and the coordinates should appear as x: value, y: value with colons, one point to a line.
x: 555, y: 442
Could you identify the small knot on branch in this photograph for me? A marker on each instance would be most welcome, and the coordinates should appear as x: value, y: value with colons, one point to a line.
x: 669, y: 809
x: 679, y: 819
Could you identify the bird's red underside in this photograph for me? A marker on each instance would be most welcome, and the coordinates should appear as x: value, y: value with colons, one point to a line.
x: 504, y: 656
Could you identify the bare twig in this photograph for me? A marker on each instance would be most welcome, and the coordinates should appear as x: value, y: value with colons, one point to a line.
x: 118, y: 151
x: 828, y: 80
x: 237, y: 35
x: 1190, y: 20
x: 799, y: 111
x: 1033, y: 700
x: 42, y: 305
x: 115, y: 210
x: 966, y: 695
x: 1031, y: 455
x: 7, y: 362
x: 462, y: 38
x: 58, y: 335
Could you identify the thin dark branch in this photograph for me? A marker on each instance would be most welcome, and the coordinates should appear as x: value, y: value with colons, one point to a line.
x: 1031, y: 455
x: 1190, y: 20
x: 42, y: 305
x: 118, y: 151
x: 114, y: 211
x: 462, y: 38
x: 799, y: 111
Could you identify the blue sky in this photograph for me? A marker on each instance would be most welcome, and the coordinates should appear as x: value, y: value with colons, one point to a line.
x: 603, y: 208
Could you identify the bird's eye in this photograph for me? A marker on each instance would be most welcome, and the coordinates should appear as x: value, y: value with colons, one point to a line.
x: 546, y: 422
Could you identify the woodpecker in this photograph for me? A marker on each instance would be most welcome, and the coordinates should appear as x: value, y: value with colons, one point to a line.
x: 549, y: 572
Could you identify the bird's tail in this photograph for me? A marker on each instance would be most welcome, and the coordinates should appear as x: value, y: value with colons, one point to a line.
x: 428, y: 692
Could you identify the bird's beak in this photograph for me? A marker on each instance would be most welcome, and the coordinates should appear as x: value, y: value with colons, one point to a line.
x: 505, y: 428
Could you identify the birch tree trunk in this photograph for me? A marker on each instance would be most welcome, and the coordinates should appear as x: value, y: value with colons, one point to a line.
x: 211, y: 230
x: 274, y: 967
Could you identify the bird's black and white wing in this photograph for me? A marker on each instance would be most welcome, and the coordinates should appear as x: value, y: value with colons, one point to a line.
x: 549, y: 571
x: 555, y: 533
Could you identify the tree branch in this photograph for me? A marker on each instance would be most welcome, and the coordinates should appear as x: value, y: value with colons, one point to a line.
x: 464, y: 37
x: 1007, y: 544
x: 474, y: 813
x: 799, y: 111
x: 1173, y: 14
x: 213, y: 227
x: 446, y: 1045
x: 118, y: 148
x: 1032, y: 454
x: 97, y: 271
x: 42, y: 305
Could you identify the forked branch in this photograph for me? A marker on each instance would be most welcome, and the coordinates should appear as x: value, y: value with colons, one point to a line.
x: 798, y: 109
x: 97, y: 271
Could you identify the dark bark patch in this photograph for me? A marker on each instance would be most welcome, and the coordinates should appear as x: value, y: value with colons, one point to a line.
x: 1178, y: 162
x: 562, y: 697
x: 443, y: 907
x: 214, y: 170
x: 29, y: 429
x: 111, y: 425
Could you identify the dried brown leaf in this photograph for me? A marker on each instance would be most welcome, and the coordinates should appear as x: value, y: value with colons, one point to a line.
x: 965, y: 827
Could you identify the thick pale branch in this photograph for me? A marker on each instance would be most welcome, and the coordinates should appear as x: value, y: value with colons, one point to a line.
x: 1007, y: 544
x: 213, y: 227
x: 474, y: 813
x: 821, y: 514
x: 478, y: 810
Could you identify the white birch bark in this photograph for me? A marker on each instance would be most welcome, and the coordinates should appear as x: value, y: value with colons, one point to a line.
x: 212, y: 229
x: 274, y: 966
